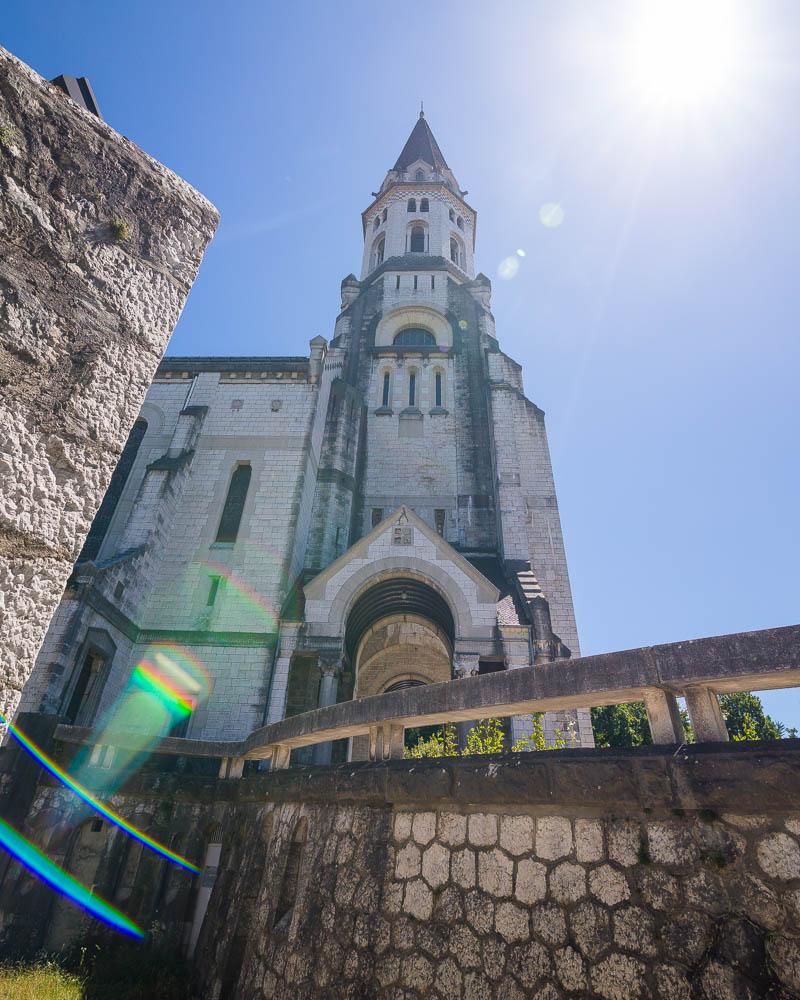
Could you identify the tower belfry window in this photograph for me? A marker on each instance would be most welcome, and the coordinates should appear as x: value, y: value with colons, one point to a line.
x: 415, y: 337
x: 386, y: 383
x: 420, y: 176
x: 454, y: 251
x: 412, y: 389
x: 437, y: 383
x: 234, y: 504
x: 423, y: 205
x: 412, y: 205
x: 417, y: 243
x: 379, y: 249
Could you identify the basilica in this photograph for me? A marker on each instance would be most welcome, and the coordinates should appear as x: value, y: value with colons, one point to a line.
x: 376, y: 515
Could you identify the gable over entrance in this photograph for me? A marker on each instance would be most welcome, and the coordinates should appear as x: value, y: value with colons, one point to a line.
x: 401, y: 547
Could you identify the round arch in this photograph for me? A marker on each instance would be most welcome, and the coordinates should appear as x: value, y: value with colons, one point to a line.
x: 418, y: 316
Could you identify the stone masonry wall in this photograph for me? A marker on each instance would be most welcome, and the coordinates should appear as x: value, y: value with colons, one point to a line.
x: 685, y: 885
x: 99, y: 246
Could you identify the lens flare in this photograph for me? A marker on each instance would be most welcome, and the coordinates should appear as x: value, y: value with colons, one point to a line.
x: 508, y: 267
x: 40, y: 865
x: 165, y: 687
x: 91, y: 800
x: 551, y: 214
x: 235, y: 584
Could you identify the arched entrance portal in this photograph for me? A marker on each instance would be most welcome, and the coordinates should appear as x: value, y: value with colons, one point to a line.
x: 399, y: 634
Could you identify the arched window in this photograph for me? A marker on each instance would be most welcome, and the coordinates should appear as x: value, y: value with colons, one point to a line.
x: 102, y: 520
x: 412, y: 205
x: 386, y: 386
x: 417, y: 241
x: 412, y: 388
x: 452, y: 215
x: 454, y: 251
x: 415, y: 337
x: 437, y: 389
x: 460, y: 222
x: 377, y: 222
x: 377, y: 253
x: 287, y: 896
x: 420, y: 175
x: 234, y: 504
x: 423, y: 205
x: 383, y: 215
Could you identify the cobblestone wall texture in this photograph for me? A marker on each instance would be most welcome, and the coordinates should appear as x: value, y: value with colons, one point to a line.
x: 446, y: 904
x: 99, y: 246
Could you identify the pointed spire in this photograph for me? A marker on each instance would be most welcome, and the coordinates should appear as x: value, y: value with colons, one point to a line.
x: 421, y: 145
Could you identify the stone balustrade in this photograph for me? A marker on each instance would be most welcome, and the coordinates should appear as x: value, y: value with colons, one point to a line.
x: 698, y: 670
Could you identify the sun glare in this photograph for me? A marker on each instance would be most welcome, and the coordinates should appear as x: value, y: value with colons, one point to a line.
x: 685, y: 52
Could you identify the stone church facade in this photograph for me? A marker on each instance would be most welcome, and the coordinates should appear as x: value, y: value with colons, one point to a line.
x: 378, y: 514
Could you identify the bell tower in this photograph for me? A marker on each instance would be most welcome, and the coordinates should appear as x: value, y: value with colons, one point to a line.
x: 420, y: 210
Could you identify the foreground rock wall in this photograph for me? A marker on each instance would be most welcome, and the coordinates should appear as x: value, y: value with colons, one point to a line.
x: 99, y: 246
x: 653, y: 876
x: 648, y: 874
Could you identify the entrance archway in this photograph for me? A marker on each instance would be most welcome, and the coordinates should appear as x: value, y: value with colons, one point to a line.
x: 399, y: 633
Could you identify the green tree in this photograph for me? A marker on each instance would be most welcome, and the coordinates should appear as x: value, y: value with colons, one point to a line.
x: 486, y: 736
x: 746, y: 719
x: 621, y: 725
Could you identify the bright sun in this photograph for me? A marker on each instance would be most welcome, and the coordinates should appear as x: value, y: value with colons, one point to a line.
x: 684, y: 52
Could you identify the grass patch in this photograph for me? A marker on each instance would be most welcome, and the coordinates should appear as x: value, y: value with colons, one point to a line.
x: 45, y: 981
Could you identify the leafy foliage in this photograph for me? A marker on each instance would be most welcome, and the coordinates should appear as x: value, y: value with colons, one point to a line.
x: 626, y: 725
x: 621, y: 725
x: 746, y: 719
x: 486, y: 737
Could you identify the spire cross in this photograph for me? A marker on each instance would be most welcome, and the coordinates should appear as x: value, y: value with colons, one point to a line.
x: 421, y: 109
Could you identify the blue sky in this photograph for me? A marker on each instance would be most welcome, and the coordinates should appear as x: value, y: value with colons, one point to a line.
x: 657, y: 324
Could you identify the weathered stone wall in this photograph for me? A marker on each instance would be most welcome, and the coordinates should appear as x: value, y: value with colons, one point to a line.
x: 601, y: 874
x: 641, y: 877
x: 99, y: 246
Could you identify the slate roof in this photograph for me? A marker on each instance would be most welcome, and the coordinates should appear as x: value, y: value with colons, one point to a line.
x: 421, y: 145
x: 510, y: 609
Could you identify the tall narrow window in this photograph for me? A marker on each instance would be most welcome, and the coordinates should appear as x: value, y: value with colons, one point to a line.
x: 437, y: 388
x: 102, y: 521
x: 438, y: 517
x: 291, y: 877
x: 85, y: 695
x: 397, y: 281
x: 454, y: 251
x: 213, y: 590
x: 377, y: 221
x: 417, y: 244
x: 386, y: 384
x: 433, y: 282
x: 379, y: 249
x: 452, y: 215
x: 383, y: 215
x: 234, y: 504
x: 416, y: 282
x: 460, y: 222
x: 412, y: 389
x: 412, y: 205
x: 423, y: 205
x: 377, y: 516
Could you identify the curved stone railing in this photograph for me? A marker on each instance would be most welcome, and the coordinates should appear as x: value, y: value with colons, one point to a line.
x: 697, y: 670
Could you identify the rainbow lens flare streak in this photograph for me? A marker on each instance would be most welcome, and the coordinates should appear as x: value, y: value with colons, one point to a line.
x: 33, y: 859
x: 91, y: 800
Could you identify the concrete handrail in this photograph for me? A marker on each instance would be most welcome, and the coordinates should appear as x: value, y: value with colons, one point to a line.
x: 698, y: 670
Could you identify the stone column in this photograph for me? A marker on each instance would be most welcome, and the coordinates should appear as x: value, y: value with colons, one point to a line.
x: 464, y: 665
x: 99, y: 246
x: 706, y: 715
x: 663, y: 716
x: 331, y: 670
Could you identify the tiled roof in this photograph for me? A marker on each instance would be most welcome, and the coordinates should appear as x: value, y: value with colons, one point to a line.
x: 510, y: 610
x: 421, y: 145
